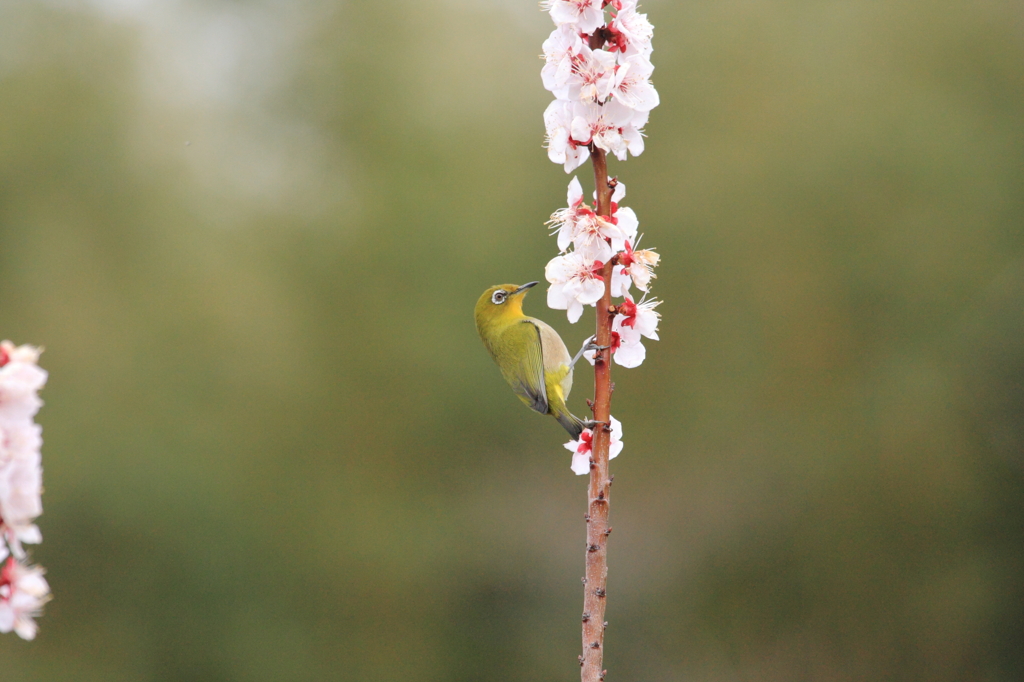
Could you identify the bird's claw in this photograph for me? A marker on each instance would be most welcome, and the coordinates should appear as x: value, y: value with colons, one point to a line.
x: 589, y: 344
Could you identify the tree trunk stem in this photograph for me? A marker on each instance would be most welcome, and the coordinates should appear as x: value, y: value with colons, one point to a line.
x: 595, y: 583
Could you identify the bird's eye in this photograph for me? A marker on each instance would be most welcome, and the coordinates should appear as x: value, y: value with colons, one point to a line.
x: 498, y: 297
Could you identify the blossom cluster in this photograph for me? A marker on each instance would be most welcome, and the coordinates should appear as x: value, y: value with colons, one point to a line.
x: 597, y: 64
x: 23, y: 590
x: 598, y: 68
x: 577, y: 274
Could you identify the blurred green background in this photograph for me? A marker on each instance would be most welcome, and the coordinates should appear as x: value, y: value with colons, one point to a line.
x: 250, y: 236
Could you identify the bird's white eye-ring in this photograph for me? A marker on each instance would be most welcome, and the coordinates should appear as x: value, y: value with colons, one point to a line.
x: 498, y: 297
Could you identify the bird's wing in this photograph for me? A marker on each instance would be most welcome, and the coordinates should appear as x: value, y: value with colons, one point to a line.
x: 556, y: 355
x: 527, y: 378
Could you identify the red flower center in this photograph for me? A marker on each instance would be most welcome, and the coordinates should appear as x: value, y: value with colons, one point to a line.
x: 628, y: 309
x: 585, y: 442
x: 626, y: 257
x: 7, y: 573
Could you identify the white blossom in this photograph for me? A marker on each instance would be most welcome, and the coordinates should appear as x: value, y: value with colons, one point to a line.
x: 594, y: 237
x: 562, y: 148
x: 25, y: 353
x: 603, y: 96
x: 639, y: 265
x: 23, y: 591
x: 603, y: 99
x: 632, y: 87
x: 568, y: 222
x: 641, y: 317
x: 626, y: 224
x: 624, y: 219
x: 630, y: 353
x: 20, y: 485
x: 574, y: 284
x: 582, y: 447
x: 632, y: 31
x: 19, y: 438
x: 20, y: 380
x: 593, y: 76
x: 601, y: 126
x: 633, y: 137
x: 633, y: 321
x: 559, y: 49
x: 586, y: 16
x: 621, y: 281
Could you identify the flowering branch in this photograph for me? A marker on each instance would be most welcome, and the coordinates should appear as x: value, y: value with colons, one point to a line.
x: 23, y: 590
x: 599, y: 70
x: 595, y: 581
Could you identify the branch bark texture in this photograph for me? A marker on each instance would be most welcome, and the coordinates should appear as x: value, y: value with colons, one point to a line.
x: 595, y: 582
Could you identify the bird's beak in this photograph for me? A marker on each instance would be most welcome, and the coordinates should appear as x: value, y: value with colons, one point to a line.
x: 525, y: 287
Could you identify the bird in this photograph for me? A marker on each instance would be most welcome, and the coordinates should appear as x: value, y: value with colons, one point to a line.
x: 531, y: 355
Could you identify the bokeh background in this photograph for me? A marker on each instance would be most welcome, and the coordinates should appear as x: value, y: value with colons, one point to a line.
x: 250, y: 236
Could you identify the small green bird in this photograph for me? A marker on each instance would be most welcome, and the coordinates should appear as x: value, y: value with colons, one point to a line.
x: 530, y: 354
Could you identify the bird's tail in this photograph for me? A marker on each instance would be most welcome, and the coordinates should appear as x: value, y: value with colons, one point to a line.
x: 571, y: 423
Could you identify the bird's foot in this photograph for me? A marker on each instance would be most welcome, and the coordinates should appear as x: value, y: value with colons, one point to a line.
x: 589, y: 344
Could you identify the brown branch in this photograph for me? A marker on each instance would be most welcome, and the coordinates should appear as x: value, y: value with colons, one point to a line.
x: 595, y: 583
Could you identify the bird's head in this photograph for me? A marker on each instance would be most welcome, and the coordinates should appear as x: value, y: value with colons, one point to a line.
x: 502, y: 300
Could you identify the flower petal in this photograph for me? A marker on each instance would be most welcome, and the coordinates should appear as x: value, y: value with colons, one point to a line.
x: 581, y: 463
x: 630, y: 355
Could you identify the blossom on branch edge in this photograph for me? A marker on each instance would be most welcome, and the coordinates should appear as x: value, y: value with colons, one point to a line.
x: 559, y: 143
x: 632, y: 31
x: 636, y: 267
x: 581, y: 447
x: 575, y: 282
x: 560, y: 48
x: 22, y: 589
x: 633, y: 321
